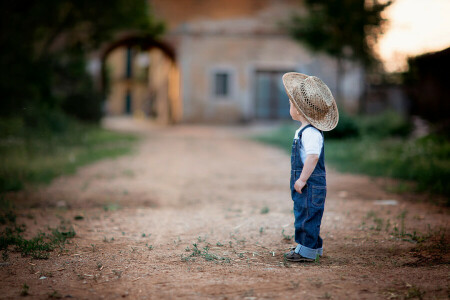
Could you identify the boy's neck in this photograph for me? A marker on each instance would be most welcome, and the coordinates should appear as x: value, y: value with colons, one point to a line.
x: 303, y: 123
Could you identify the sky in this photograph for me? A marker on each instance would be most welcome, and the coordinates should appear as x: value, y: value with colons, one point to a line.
x: 415, y: 27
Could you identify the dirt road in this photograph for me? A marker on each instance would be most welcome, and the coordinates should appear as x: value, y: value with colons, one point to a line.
x: 204, y: 213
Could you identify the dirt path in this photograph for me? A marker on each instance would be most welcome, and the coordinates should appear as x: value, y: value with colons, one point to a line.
x: 211, y: 187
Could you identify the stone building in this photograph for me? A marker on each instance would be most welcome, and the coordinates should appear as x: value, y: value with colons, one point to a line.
x: 219, y: 61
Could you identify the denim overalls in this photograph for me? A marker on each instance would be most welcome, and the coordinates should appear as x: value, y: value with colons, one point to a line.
x: 309, y: 205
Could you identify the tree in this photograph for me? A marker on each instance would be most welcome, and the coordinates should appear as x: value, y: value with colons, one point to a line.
x: 43, y: 47
x: 344, y: 29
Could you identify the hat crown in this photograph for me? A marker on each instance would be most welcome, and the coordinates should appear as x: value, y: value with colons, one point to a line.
x: 312, y: 97
x: 315, y: 94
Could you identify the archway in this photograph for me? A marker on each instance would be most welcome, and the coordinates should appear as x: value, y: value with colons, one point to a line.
x: 139, y: 76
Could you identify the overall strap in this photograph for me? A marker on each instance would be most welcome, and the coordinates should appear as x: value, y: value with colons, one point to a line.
x: 301, y: 131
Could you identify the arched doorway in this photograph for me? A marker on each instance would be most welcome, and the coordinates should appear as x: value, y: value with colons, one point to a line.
x: 139, y: 76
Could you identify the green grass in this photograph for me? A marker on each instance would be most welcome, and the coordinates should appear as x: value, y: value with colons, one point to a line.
x: 38, y: 247
x: 30, y: 156
x: 425, y: 161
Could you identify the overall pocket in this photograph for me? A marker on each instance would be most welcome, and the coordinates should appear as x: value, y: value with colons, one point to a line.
x: 318, y: 195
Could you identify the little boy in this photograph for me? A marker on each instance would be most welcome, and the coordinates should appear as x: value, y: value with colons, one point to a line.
x: 312, y: 104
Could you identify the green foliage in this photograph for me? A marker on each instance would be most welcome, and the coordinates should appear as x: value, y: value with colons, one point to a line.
x: 347, y: 127
x: 38, y: 246
x: 425, y: 160
x: 386, y: 124
x: 52, y: 145
x: 43, y: 47
x: 341, y: 28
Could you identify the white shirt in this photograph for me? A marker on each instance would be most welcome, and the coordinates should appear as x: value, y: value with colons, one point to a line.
x: 311, y: 142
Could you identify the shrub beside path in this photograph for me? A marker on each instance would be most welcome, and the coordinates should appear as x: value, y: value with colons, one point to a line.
x: 203, y: 212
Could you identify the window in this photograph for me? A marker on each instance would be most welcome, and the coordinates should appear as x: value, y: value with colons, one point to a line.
x: 221, y: 84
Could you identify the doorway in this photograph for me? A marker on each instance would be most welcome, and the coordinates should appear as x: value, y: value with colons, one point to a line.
x: 271, y: 100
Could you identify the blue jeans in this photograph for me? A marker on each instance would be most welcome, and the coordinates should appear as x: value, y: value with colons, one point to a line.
x: 308, y: 212
x: 309, y: 205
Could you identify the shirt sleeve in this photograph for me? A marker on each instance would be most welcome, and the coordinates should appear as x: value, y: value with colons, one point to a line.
x: 312, y: 141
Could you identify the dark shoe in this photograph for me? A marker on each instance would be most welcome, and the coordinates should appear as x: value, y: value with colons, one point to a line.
x: 295, y: 257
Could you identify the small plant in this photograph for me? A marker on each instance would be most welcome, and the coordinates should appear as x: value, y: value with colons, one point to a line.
x: 24, y: 292
x: 317, y: 259
x: 149, y: 247
x: 219, y: 244
x: 414, y: 292
x: 264, y: 210
x: 106, y: 240
x: 287, y: 237
x: 99, y: 266
x: 55, y: 294
x: 196, y: 252
x: 261, y: 230
x: 5, y: 255
x: 94, y: 248
x: 118, y: 273
x: 45, y: 274
x: 111, y: 207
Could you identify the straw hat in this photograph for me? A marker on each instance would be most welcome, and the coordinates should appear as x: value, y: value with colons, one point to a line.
x: 313, y: 99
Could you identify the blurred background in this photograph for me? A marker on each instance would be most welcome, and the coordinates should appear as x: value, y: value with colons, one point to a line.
x: 67, y: 65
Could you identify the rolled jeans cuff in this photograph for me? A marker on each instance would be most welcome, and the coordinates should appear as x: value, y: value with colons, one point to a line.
x: 308, y: 252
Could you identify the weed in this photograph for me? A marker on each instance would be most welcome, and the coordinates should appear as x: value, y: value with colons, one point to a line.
x: 111, y: 207
x: 24, y: 291
x: 149, y: 247
x: 317, y: 259
x: 264, y: 210
x: 94, y: 248
x: 261, y: 230
x: 106, y: 240
x: 5, y: 255
x: 99, y: 266
x: 196, y: 252
x: 118, y: 273
x: 414, y: 292
x: 78, y: 217
x: 37, y: 247
x: 287, y: 237
x: 45, y: 274
x: 219, y: 244
x: 55, y: 294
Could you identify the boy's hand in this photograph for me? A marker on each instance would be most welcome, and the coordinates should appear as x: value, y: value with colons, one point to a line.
x: 298, y: 186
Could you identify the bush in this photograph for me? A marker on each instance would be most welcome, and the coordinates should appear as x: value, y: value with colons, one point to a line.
x: 384, y: 125
x: 347, y: 127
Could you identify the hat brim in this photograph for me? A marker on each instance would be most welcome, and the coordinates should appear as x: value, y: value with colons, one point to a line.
x: 328, y: 122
